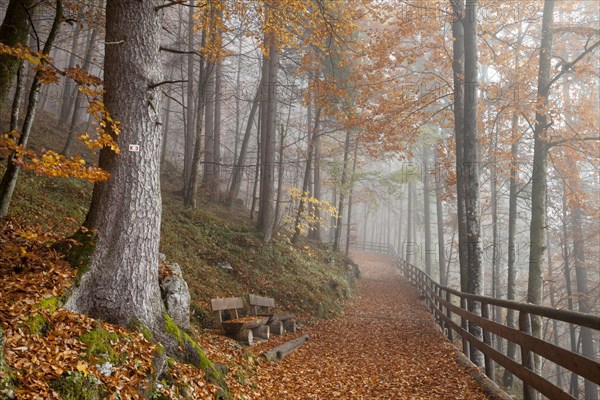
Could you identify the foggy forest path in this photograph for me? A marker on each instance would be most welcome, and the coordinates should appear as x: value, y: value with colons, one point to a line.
x: 386, y: 346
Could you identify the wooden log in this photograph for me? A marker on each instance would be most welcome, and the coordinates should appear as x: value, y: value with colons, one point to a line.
x: 244, y: 335
x: 277, y: 328
x: 277, y: 353
x: 263, y: 332
x: 290, y: 325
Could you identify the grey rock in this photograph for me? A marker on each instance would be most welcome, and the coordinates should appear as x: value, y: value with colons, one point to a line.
x: 176, y: 297
x: 162, y: 257
x: 226, y: 266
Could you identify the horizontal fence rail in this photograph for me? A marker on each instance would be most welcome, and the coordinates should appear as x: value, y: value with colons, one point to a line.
x: 442, y: 303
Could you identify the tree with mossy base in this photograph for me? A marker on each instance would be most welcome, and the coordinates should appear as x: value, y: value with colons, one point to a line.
x: 120, y: 284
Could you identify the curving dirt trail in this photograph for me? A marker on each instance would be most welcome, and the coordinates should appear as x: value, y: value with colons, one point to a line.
x: 386, y: 346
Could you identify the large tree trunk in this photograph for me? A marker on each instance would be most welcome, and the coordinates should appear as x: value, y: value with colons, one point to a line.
x: 121, y: 283
x: 70, y: 89
x: 440, y: 220
x: 188, y: 145
x: 350, y: 198
x: 215, y: 186
x: 268, y: 128
x: 340, y: 209
x: 426, y: 212
x: 458, y: 71
x: 190, y: 195
x: 537, y: 229
x: 78, y: 95
x: 315, y: 232
x: 307, y: 169
x: 9, y: 180
x: 238, y: 169
x: 470, y: 173
x: 13, y: 32
x: 566, y: 256
x: 410, y: 239
x: 209, y: 128
x: 583, y: 300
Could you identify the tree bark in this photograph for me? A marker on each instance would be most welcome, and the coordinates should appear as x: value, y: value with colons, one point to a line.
x: 315, y: 232
x: 410, y: 245
x: 215, y: 186
x: 79, y: 96
x: 307, y: 169
x: 70, y: 88
x: 238, y: 169
x: 470, y: 171
x: 340, y: 209
x: 121, y: 282
x: 537, y: 230
x: 458, y: 71
x: 440, y: 220
x: 267, y: 170
x: 191, y: 187
x: 427, y: 212
x: 11, y: 175
x: 350, y: 198
x: 209, y: 127
x: 189, y: 145
x: 583, y: 301
x: 13, y: 32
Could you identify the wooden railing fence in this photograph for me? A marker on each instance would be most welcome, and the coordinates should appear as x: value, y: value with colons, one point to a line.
x: 441, y: 302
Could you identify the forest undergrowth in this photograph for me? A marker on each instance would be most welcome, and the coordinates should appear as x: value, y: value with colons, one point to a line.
x: 52, y: 353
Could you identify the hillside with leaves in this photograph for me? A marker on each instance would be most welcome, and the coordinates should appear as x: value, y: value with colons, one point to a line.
x: 49, y: 350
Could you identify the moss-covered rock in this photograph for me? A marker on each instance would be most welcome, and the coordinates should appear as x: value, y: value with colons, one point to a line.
x: 75, y: 385
x: 100, y: 348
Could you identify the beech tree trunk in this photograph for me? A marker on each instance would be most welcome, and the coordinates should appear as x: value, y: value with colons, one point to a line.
x: 11, y: 175
x: 583, y: 301
x: 307, y: 169
x: 458, y: 71
x: 13, y: 32
x: 238, y: 169
x: 215, y: 186
x: 350, y: 198
x: 470, y: 172
x: 340, y: 209
x: 410, y: 239
x: 121, y: 283
x: 426, y: 212
x: 440, y: 220
x: 209, y: 127
x: 188, y: 145
x: 191, y: 187
x: 265, y: 220
x: 78, y: 95
x: 537, y: 229
x: 69, y: 88
x: 315, y: 232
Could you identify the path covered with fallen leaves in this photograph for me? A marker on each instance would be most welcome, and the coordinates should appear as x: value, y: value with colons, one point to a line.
x: 386, y: 346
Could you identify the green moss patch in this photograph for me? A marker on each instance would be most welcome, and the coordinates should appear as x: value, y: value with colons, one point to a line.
x: 36, y: 324
x: 100, y: 346
x: 75, y: 385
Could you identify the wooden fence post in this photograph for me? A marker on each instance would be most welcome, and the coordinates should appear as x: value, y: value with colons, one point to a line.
x: 487, y: 339
x: 464, y: 324
x: 449, y: 315
x: 526, y: 356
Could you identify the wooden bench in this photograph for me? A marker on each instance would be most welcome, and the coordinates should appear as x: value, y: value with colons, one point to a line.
x: 240, y: 328
x: 278, y: 322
